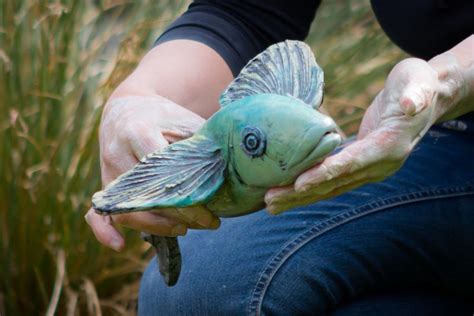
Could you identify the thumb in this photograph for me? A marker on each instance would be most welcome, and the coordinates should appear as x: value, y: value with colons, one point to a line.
x: 147, y: 141
x: 415, y: 98
x: 418, y: 81
x: 104, y: 230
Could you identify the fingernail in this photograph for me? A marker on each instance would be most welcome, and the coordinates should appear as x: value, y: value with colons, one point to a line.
x: 204, y: 221
x: 215, y: 224
x: 178, y: 230
x: 115, y: 244
x: 272, y: 201
x: 301, y: 180
x: 86, y: 218
x: 408, y: 106
x: 302, y: 189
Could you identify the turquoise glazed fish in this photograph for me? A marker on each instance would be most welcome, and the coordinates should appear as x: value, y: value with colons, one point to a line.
x: 266, y: 134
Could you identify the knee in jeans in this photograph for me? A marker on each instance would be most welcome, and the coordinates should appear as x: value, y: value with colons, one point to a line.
x: 302, y: 286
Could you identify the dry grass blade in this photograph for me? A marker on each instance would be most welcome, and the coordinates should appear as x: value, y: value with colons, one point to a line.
x: 126, y: 294
x: 58, y: 283
x: 2, y: 305
x: 72, y: 298
x: 55, y: 61
x: 93, y: 305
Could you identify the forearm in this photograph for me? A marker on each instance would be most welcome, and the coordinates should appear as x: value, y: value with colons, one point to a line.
x: 456, y: 74
x: 188, y: 73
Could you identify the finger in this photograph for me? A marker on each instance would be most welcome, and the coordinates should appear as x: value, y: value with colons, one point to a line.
x: 116, y: 158
x: 145, y: 140
x: 151, y: 223
x: 327, y: 189
x: 104, y: 231
x: 354, y: 158
x: 415, y: 98
x: 332, y: 167
x: 201, y: 216
x: 291, y: 198
x: 176, y: 136
x: 184, y: 128
x: 216, y: 223
x: 182, y: 122
x: 194, y: 216
x: 276, y: 208
x: 338, y: 182
x: 419, y: 90
x: 275, y: 193
x: 288, y: 194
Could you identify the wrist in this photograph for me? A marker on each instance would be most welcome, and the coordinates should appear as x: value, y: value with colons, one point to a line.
x: 455, y: 69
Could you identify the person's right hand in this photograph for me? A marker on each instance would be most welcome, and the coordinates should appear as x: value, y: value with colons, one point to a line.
x: 131, y: 128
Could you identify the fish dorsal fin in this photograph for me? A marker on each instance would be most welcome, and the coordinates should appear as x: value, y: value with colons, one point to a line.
x: 287, y: 68
x: 185, y: 173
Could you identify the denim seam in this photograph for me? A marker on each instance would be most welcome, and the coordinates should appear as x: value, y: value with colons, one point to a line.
x: 273, y: 265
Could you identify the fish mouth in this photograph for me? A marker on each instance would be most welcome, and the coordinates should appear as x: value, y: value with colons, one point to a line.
x: 316, y: 153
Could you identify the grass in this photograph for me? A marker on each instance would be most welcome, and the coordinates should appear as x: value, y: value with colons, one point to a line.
x: 58, y: 63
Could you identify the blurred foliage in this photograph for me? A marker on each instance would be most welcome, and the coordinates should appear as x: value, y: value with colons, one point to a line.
x: 356, y: 57
x: 59, y: 60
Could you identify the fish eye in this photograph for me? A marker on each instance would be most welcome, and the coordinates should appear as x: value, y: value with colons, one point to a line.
x: 253, y: 142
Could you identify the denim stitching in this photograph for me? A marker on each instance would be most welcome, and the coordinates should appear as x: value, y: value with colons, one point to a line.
x: 270, y: 269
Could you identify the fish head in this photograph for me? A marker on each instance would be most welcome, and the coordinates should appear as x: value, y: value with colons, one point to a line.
x: 275, y: 138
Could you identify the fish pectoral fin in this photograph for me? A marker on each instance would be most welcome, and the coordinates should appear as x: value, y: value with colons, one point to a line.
x: 287, y: 68
x: 182, y: 174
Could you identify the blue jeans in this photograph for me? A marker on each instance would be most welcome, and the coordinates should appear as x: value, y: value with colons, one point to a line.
x: 404, y: 245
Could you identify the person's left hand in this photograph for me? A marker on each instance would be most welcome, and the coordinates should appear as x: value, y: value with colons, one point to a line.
x: 393, y: 124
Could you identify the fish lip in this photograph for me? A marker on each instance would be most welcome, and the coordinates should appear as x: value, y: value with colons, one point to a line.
x: 327, y: 139
x: 331, y: 139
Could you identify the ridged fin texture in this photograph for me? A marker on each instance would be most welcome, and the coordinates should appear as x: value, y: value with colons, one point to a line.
x: 168, y: 256
x: 287, y: 68
x: 185, y: 173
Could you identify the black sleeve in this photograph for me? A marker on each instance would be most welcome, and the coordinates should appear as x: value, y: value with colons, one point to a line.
x: 425, y: 28
x: 239, y: 29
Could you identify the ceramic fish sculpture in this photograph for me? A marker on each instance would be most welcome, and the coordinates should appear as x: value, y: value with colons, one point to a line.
x: 267, y: 132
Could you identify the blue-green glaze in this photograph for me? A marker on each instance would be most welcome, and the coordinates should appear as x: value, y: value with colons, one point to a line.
x: 267, y: 132
x: 232, y: 182
x: 294, y: 135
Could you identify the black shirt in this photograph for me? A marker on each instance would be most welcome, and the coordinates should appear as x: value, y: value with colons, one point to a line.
x: 240, y: 29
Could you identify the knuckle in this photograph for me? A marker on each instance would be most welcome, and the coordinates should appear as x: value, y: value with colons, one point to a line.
x: 108, y: 155
x: 408, y: 64
x: 127, y: 132
x: 113, y: 153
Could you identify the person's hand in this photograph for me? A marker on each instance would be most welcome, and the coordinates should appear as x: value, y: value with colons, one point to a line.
x: 132, y: 127
x: 393, y: 124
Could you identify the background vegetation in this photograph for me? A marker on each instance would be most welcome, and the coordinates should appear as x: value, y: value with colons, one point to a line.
x: 59, y: 60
